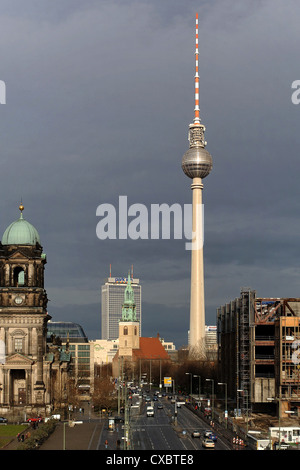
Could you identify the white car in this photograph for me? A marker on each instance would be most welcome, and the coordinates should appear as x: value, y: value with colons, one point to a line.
x: 208, y: 443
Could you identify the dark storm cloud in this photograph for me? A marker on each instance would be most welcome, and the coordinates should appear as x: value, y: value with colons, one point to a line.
x: 99, y: 98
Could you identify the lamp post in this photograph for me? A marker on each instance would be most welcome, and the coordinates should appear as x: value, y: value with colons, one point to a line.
x: 279, y: 413
x: 246, y: 393
x: 226, y: 411
x: 189, y: 373
x: 199, y: 384
x: 175, y: 406
x: 212, y: 396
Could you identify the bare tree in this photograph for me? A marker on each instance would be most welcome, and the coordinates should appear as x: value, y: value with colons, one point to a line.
x: 104, y: 394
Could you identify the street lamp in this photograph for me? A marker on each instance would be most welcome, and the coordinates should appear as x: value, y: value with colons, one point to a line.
x: 246, y: 393
x: 279, y: 413
x: 226, y: 411
x: 189, y: 373
x: 199, y: 384
x: 212, y: 396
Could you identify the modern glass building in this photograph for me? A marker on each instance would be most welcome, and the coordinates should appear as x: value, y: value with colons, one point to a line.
x: 66, y: 330
x: 112, y: 299
x: 82, y: 364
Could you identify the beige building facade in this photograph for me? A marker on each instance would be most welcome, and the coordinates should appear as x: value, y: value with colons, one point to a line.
x: 31, y: 375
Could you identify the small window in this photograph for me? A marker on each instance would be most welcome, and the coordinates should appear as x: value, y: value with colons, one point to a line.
x: 125, y: 330
x: 19, y: 345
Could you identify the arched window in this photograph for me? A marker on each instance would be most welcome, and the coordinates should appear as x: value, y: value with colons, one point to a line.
x: 19, y: 277
x: 135, y: 330
x: 125, y: 330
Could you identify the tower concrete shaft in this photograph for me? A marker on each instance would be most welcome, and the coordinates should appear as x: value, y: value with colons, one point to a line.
x: 197, y: 303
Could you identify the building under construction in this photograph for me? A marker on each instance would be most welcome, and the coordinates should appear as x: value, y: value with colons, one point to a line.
x: 258, y: 345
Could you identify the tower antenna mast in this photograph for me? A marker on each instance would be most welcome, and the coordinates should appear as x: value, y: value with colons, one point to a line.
x: 197, y: 106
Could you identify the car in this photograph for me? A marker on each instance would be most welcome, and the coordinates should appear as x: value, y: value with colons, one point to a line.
x: 178, y: 405
x: 208, y: 443
x: 119, y: 419
x: 3, y: 420
x: 38, y: 419
x: 159, y: 406
x: 210, y: 435
x: 196, y: 434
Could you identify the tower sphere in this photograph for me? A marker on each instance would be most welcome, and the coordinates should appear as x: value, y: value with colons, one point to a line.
x: 197, y: 162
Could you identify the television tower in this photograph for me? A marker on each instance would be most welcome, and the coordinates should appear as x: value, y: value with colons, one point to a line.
x: 197, y: 164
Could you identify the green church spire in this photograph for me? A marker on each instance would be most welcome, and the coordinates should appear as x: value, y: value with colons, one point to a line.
x: 128, y: 307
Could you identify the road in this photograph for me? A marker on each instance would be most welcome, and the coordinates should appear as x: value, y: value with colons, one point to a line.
x: 162, y: 432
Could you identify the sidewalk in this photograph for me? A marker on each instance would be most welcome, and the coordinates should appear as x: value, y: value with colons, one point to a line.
x: 85, y: 436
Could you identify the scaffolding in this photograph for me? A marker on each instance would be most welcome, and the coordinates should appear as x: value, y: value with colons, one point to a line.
x: 245, y: 349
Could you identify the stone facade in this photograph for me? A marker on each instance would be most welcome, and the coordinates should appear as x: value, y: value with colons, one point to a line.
x: 27, y: 366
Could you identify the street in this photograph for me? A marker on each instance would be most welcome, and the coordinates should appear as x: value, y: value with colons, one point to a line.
x: 162, y: 432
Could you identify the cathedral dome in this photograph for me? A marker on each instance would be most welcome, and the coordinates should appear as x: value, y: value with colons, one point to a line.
x: 20, y: 232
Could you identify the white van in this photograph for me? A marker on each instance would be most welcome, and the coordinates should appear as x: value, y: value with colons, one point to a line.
x: 150, y: 411
x: 57, y: 417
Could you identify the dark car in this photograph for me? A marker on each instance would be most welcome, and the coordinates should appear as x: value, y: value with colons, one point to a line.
x: 3, y: 420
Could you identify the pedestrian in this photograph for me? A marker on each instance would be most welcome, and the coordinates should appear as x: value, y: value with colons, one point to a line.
x: 106, y: 444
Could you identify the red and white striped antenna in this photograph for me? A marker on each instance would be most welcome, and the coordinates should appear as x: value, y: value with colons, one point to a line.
x: 197, y: 107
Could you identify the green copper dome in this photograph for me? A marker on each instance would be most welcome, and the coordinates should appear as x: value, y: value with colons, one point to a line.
x: 20, y: 232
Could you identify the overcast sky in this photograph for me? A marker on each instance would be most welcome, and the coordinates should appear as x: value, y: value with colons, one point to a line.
x: 99, y: 96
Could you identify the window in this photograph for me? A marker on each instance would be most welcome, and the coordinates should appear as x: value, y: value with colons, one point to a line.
x: 19, y: 345
x: 19, y: 277
x: 125, y: 330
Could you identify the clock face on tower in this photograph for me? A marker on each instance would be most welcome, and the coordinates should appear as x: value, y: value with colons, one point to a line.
x: 18, y: 300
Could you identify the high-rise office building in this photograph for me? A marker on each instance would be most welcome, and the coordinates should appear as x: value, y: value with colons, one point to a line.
x: 112, y: 299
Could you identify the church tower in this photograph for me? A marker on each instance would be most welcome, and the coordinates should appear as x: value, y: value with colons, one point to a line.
x: 129, y: 327
x: 23, y: 319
